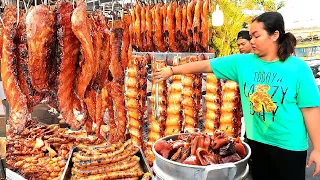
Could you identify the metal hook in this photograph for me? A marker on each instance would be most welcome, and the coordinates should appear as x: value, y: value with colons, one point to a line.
x: 25, y: 6
x: 18, y: 13
x: 28, y: 3
x: 2, y: 22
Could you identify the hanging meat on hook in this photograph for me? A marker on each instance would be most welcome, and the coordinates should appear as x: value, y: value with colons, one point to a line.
x: 81, y: 29
x: 68, y: 52
x: 92, y: 96
x: 197, y: 25
x: 204, y: 32
x: 96, y: 20
x: 137, y: 28
x: 165, y: 33
x: 115, y: 65
x: 125, y: 41
x: 33, y: 97
x: 143, y: 28
x: 40, y: 27
x: 117, y: 84
x: 190, y: 16
x: 158, y: 29
x: 171, y: 9
x: 17, y: 100
x: 181, y: 23
x: 149, y: 28
x: 132, y: 28
x: 184, y: 22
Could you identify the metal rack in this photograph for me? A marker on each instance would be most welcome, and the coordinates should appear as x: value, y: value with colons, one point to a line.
x: 169, y: 56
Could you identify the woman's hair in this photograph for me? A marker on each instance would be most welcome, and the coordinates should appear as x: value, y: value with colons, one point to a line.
x: 273, y: 21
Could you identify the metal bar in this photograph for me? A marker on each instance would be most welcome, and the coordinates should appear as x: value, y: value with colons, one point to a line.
x: 170, y: 56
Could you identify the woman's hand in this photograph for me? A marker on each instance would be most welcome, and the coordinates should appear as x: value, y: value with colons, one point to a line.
x: 162, y: 74
x: 315, y: 157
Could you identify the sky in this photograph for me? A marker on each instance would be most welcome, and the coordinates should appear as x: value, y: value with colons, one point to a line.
x: 301, y: 13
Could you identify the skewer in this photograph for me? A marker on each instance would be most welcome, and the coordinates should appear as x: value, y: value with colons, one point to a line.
x: 156, y: 107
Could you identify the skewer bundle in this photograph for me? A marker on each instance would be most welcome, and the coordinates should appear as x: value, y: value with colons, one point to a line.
x: 191, y: 93
x: 230, y: 120
x: 136, y: 84
x: 157, y: 126
x: 174, y: 119
x: 213, y: 103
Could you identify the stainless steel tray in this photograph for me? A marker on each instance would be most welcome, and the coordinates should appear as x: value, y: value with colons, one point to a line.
x: 13, y: 176
x: 67, y: 170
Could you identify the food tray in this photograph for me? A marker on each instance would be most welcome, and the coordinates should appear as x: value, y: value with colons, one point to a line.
x: 66, y: 175
x: 13, y: 176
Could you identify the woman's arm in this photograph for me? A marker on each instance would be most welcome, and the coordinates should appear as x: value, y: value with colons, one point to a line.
x: 189, y: 68
x: 312, y: 121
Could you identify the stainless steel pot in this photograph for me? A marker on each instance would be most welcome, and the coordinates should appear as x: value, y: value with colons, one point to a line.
x: 171, y: 170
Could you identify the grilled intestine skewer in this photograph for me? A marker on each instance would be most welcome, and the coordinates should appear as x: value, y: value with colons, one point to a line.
x: 135, y: 98
x: 174, y: 118
x: 213, y: 103
x: 157, y: 126
x: 192, y: 96
x: 188, y: 102
x: 230, y: 120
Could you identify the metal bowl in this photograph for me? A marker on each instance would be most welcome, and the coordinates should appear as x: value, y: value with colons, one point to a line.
x: 167, y: 169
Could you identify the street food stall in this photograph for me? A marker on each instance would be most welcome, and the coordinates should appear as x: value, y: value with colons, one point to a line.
x: 91, y: 68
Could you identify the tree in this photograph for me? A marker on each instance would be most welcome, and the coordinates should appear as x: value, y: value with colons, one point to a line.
x: 224, y: 37
x: 223, y: 40
x: 266, y: 5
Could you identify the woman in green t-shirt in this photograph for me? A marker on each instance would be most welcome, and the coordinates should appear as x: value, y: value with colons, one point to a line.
x: 279, y: 97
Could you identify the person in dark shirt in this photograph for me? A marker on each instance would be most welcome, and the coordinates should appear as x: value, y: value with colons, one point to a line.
x: 243, y: 41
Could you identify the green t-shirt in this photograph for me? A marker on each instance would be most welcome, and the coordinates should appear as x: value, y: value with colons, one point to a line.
x: 272, y: 94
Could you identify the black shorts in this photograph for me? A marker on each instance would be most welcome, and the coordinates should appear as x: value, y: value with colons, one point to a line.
x: 273, y: 163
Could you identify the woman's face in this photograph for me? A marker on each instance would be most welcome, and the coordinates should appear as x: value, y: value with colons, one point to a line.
x: 262, y: 43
